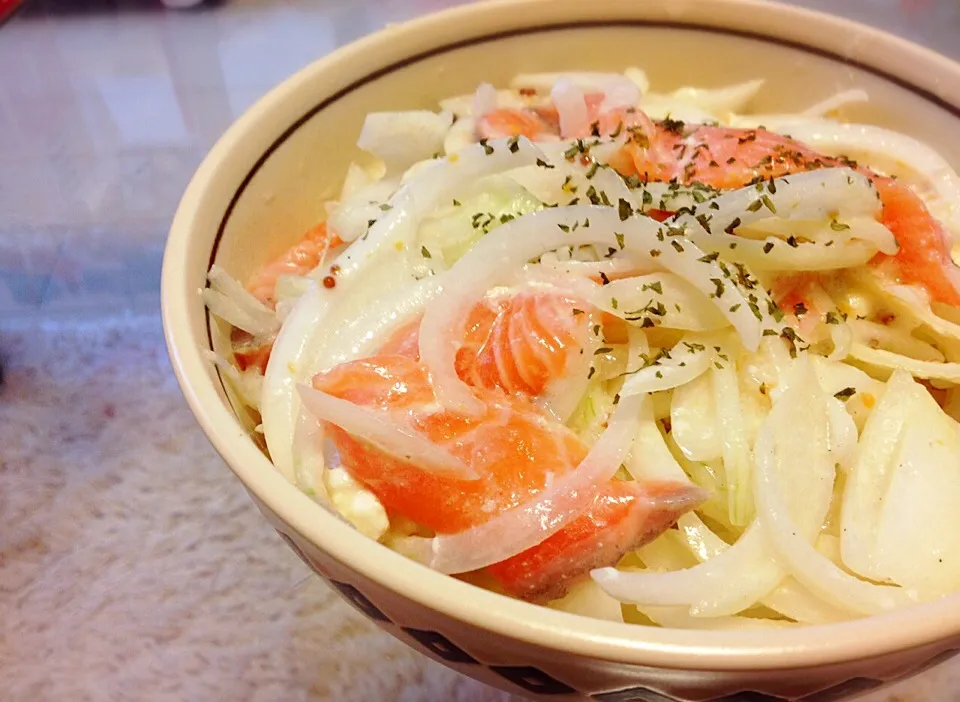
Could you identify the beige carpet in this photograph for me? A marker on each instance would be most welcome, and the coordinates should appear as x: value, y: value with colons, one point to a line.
x: 134, y: 567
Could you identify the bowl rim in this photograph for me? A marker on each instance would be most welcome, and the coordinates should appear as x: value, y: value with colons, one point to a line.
x: 539, y: 626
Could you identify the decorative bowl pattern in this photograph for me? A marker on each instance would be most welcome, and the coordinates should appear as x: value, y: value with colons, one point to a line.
x: 265, y: 182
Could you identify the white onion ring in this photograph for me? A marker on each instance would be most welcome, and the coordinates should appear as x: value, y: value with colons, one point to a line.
x: 484, y: 100
x: 794, y: 552
x: 571, y: 108
x: 527, y: 525
x: 298, y: 350
x: 505, y: 250
x: 389, y: 437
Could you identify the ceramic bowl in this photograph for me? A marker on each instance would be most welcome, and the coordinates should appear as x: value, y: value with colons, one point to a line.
x: 264, y: 183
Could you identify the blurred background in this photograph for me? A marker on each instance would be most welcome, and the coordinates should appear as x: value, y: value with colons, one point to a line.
x: 132, y: 565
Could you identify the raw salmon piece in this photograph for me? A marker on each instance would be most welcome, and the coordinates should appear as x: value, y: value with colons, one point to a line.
x: 543, y: 122
x: 516, y: 450
x: 522, y: 343
x: 724, y: 157
x: 316, y: 246
x: 511, y: 445
x: 924, y: 255
x: 519, y: 344
x: 253, y: 356
x: 622, y: 518
x: 505, y: 122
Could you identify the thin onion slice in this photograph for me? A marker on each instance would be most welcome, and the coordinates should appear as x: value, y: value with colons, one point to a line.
x: 233, y: 303
x: 507, y: 249
x: 389, y: 437
x: 836, y: 101
x: 928, y: 370
x: 668, y: 373
x: 637, y: 300
x: 571, y: 107
x: 724, y: 585
x: 822, y: 194
x: 789, y: 538
x: 528, y: 524
x: 298, y: 351
x: 789, y: 598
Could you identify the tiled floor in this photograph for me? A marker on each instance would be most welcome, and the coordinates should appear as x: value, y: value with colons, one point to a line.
x: 106, y: 108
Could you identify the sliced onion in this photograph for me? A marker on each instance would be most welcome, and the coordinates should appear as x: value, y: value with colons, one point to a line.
x: 246, y: 384
x: 619, y: 92
x: 777, y: 255
x: 505, y: 250
x: 357, y: 177
x: 737, y: 461
x: 843, y: 432
x: 403, y: 138
x: 717, y: 101
x: 484, y: 100
x: 895, y: 339
x: 682, y: 367
x: 929, y: 370
x: 822, y: 194
x: 462, y: 134
x: 836, y: 101
x: 309, y: 463
x: 677, y: 618
x: 570, y: 181
x: 571, y: 107
x: 914, y: 303
x: 639, y: 78
x: 392, y: 438
x: 616, y: 267
x: 233, y: 303
x: 528, y: 524
x: 864, y: 228
x: 726, y: 584
x: 688, y: 308
x: 298, y: 352
x: 651, y: 458
x: 842, y: 337
x: 693, y: 420
x: 785, y: 459
x: 588, y: 600
x: 900, y: 506
x: 884, y: 149
x: 351, y: 218
x: 588, y: 82
x: 462, y: 105
x: 918, y: 533
x: 869, y: 477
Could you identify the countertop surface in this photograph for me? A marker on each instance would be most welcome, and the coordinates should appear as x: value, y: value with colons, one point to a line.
x: 132, y: 564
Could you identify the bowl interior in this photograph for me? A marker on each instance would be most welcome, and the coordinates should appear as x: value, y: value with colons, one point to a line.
x: 267, y: 180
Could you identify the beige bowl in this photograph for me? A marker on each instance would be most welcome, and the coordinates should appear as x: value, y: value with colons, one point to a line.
x: 265, y: 182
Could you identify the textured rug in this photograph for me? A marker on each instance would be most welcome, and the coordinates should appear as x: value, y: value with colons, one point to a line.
x: 134, y: 567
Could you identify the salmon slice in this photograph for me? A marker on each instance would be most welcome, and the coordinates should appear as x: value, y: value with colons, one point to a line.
x: 502, y: 123
x: 924, y: 255
x: 247, y: 353
x: 509, y: 445
x: 543, y: 122
x: 623, y: 517
x: 725, y: 158
x: 301, y: 258
x: 516, y: 450
x: 519, y: 344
